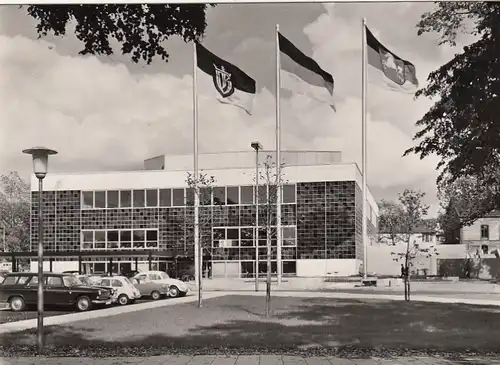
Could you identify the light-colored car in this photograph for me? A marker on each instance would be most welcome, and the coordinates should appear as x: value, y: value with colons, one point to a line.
x: 125, y: 291
x: 174, y: 288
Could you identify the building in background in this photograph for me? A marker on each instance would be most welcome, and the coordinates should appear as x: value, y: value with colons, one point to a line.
x: 482, y: 238
x: 121, y: 214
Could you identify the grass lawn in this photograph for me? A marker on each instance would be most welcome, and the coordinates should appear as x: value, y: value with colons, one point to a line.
x: 237, y: 324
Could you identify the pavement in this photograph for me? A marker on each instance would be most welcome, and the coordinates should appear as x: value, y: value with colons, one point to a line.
x: 244, y: 360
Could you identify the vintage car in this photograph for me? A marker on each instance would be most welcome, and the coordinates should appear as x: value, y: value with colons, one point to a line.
x: 20, y: 290
x: 176, y: 288
x: 126, y: 292
x: 93, y: 281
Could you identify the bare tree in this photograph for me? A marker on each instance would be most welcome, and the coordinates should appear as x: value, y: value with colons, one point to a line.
x: 14, y: 213
x: 413, y: 211
x: 268, y: 194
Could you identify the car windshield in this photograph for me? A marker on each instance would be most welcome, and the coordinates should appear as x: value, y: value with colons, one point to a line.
x: 71, y: 281
x: 164, y: 275
x: 85, y: 280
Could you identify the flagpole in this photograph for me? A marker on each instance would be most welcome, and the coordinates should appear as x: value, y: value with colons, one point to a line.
x: 364, y: 146
x: 198, y: 252
x: 278, y: 158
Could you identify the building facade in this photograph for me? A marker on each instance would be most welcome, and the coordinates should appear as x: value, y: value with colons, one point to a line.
x: 152, y: 210
x: 482, y: 238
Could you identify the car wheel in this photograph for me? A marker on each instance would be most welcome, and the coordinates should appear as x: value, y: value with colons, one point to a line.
x: 173, y: 291
x: 155, y: 295
x: 123, y: 299
x: 17, y: 304
x: 83, y: 304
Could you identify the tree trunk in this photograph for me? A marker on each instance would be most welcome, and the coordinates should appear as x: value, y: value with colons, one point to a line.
x: 268, y: 281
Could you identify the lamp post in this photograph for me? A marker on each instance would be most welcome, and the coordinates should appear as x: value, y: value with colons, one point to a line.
x: 40, y: 157
x: 256, y: 146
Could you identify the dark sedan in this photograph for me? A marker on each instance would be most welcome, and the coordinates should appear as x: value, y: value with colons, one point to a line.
x: 20, y: 290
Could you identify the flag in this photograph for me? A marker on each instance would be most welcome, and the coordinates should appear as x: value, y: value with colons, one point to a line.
x: 232, y: 85
x: 399, y: 74
x: 303, y: 75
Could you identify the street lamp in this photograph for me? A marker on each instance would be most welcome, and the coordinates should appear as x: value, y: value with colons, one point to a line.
x: 256, y: 146
x: 40, y: 163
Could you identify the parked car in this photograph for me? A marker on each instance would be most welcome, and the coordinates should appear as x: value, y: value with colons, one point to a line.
x: 20, y: 290
x: 176, y: 288
x: 93, y: 281
x: 130, y: 274
x: 126, y: 292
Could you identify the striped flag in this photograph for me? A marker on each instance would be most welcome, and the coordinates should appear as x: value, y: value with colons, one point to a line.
x: 302, y: 75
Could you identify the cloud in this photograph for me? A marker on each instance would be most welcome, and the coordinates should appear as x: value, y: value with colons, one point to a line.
x: 100, y: 116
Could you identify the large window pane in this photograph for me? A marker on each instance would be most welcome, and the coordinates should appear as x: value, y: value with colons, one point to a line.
x: 165, y: 198
x: 99, y: 199
x: 233, y: 195
x: 247, y: 233
x: 138, y: 198
x: 138, y: 239
x: 288, y: 233
x: 262, y: 194
x: 178, y: 197
x: 246, y: 194
x: 100, y: 239
x: 125, y: 239
x: 288, y: 193
x: 88, y: 199
x: 290, y: 267
x: 152, y: 198
x: 205, y: 196
x: 125, y: 199
x: 151, y: 238
x: 219, y: 195
x: 218, y: 235
x: 87, y: 239
x: 190, y: 196
x: 112, y: 201
x: 112, y: 239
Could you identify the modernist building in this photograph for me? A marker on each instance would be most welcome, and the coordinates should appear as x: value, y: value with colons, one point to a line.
x: 152, y: 211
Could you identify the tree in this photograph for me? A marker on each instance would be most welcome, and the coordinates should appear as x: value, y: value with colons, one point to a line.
x: 390, y: 214
x: 463, y: 126
x: 413, y: 211
x: 140, y: 29
x: 14, y: 212
x: 205, y: 186
x: 268, y: 194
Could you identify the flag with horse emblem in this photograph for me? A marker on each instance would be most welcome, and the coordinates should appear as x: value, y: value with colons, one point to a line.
x: 400, y: 75
x: 232, y: 85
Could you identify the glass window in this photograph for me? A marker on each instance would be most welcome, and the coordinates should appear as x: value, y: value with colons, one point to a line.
x: 288, y: 193
x: 100, y: 239
x: 205, y: 196
x: 290, y: 267
x: 152, y: 238
x: 112, y: 239
x: 288, y: 233
x: 246, y: 237
x: 485, y: 231
x: 138, y: 238
x: 262, y: 237
x: 219, y: 195
x: 262, y: 194
x: 165, y: 198
x: 138, y: 198
x: 10, y: 280
x: 152, y: 198
x: 246, y: 194
x: 232, y: 234
x: 54, y: 281
x: 190, y: 196
x: 87, y: 239
x: 219, y: 233
x: 233, y: 195
x: 33, y: 281
x: 99, y: 199
x: 23, y: 280
x: 87, y: 199
x: 178, y: 197
x: 116, y: 283
x: 125, y: 239
x: 112, y: 199
x: 125, y: 199
x: 105, y: 282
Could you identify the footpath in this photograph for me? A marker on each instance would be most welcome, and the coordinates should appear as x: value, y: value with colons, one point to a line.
x: 246, y: 360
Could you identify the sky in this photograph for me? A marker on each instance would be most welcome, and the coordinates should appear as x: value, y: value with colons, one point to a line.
x: 107, y: 113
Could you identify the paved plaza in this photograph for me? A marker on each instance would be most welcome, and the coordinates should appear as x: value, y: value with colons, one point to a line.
x: 244, y: 360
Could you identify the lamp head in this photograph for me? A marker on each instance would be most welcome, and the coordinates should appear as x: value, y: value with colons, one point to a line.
x: 40, y: 160
x: 256, y: 145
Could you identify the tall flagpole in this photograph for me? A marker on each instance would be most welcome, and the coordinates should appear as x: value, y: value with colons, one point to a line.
x: 278, y: 158
x: 364, y: 146
x: 198, y: 251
